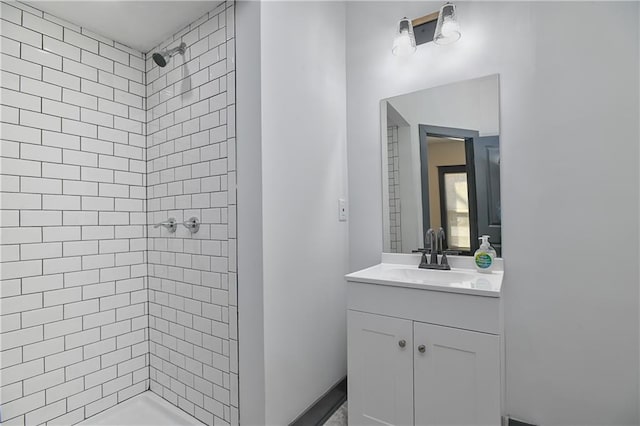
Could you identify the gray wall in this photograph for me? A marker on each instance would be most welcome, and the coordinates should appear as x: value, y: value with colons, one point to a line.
x: 292, y: 256
x: 570, y: 161
x: 305, y: 247
x: 250, y: 292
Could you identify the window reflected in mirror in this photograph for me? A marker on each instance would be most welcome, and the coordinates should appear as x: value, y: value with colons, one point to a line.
x: 454, y: 206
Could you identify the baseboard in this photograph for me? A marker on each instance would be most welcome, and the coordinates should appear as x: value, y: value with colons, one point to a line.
x: 318, y: 413
x: 510, y: 421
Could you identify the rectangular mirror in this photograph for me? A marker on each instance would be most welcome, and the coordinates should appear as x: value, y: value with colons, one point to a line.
x: 441, y: 166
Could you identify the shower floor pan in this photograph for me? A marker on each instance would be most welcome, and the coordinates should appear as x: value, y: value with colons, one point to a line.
x: 146, y: 409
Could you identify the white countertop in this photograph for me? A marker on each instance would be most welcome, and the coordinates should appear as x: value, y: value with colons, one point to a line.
x: 404, y: 273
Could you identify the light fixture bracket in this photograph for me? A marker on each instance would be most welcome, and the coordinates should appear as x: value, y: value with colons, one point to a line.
x: 424, y: 27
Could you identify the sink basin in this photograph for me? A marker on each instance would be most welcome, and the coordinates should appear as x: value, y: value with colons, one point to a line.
x: 457, y: 280
x: 426, y: 276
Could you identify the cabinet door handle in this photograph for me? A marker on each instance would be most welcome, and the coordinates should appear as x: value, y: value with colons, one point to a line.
x: 422, y: 348
x: 402, y: 343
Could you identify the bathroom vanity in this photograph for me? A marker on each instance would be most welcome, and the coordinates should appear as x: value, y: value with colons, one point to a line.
x: 425, y: 344
x: 425, y: 347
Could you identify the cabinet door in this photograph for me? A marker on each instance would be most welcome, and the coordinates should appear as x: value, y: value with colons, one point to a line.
x: 457, y: 376
x: 380, y: 365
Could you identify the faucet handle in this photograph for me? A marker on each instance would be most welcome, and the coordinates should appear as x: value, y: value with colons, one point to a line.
x: 423, y: 259
x: 443, y: 260
x: 170, y: 224
x: 421, y: 250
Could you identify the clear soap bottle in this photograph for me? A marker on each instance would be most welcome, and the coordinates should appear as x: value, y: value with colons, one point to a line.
x: 485, y: 256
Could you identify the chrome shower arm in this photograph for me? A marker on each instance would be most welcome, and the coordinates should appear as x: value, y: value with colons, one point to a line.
x: 178, y: 49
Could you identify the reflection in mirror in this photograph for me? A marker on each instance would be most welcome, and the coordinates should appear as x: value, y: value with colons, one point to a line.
x: 441, y: 166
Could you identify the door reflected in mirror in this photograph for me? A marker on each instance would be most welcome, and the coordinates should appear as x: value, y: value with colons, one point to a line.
x: 441, y: 166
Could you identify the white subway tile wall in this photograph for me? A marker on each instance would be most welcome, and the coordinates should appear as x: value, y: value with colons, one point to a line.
x: 191, y: 172
x: 90, y: 129
x: 74, y: 298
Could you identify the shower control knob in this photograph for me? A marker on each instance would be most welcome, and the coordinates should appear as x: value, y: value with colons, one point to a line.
x: 402, y: 343
x: 422, y: 348
x: 193, y: 224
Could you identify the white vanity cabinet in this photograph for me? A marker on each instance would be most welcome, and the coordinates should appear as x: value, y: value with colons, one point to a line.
x: 418, y: 356
x: 380, y: 370
x: 456, y: 376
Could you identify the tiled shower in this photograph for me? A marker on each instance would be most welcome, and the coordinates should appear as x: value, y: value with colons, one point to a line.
x: 99, y: 144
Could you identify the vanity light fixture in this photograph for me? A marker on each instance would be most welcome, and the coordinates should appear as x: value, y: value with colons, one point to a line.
x: 447, y: 28
x: 441, y: 27
x: 404, y: 43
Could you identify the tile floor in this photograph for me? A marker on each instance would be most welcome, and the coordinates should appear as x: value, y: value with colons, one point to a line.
x: 339, y: 418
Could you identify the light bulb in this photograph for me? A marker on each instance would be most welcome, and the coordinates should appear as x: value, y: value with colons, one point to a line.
x: 447, y: 28
x: 404, y: 43
x: 451, y: 29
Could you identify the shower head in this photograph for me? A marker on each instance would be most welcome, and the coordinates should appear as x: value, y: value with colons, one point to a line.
x: 162, y: 58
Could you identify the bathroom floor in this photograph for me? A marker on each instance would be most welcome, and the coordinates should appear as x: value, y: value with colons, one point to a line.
x: 145, y: 409
x: 339, y: 418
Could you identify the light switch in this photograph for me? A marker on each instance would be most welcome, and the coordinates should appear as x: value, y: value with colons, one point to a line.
x: 342, y: 210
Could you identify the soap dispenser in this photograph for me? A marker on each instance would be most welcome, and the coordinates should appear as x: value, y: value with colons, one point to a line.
x: 484, y: 257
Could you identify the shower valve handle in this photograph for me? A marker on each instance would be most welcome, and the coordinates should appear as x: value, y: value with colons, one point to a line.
x: 192, y: 224
x: 170, y: 224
